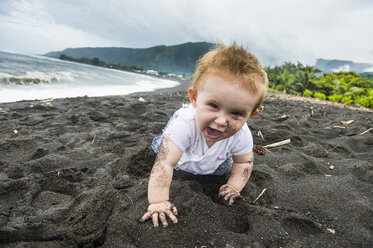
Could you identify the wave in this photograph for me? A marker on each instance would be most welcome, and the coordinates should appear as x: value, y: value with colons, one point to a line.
x: 36, y: 77
x: 26, y: 80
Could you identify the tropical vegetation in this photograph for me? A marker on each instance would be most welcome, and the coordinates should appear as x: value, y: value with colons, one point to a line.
x: 345, y: 87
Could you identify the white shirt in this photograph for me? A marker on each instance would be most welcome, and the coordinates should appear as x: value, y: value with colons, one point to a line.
x: 197, y: 157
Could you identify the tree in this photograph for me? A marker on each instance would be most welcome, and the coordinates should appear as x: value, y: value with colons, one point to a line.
x: 286, y: 82
x: 95, y: 61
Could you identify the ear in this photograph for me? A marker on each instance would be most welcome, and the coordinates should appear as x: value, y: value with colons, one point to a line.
x: 254, y: 113
x: 192, y: 92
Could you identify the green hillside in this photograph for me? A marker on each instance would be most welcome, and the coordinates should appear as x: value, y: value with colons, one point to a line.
x: 178, y: 59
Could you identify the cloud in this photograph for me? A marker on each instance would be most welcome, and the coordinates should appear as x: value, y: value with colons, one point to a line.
x: 31, y: 29
x: 276, y: 31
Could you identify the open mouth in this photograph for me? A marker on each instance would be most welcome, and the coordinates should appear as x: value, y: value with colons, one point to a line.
x: 213, y: 133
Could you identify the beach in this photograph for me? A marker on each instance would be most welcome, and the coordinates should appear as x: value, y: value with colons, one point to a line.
x: 74, y: 173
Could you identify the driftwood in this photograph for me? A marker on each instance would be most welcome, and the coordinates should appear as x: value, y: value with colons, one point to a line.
x: 338, y: 127
x: 47, y: 100
x: 260, y: 134
x: 347, y: 123
x: 260, y: 195
x: 284, y: 142
x: 94, y: 138
x: 366, y: 131
x: 332, y: 231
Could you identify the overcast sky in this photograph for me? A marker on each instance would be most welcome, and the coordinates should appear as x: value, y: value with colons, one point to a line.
x: 274, y: 30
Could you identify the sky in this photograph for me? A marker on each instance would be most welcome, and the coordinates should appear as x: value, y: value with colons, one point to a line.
x: 276, y: 31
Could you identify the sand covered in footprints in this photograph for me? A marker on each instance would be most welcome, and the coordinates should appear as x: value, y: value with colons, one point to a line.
x: 74, y: 173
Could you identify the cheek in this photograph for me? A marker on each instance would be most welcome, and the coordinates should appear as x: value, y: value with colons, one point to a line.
x: 204, y: 116
x: 235, y: 125
x: 201, y: 120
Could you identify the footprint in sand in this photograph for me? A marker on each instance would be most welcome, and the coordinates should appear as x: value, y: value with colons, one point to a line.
x: 300, y: 227
x: 48, y: 202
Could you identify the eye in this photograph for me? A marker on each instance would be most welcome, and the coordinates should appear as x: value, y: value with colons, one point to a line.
x: 213, y: 105
x: 237, y: 114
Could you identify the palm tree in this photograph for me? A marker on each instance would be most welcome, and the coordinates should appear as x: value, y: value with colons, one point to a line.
x: 286, y: 82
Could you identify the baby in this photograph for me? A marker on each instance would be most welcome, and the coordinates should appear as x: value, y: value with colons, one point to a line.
x: 210, y: 135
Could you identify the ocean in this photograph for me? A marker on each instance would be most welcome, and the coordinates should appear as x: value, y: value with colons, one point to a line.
x: 25, y: 77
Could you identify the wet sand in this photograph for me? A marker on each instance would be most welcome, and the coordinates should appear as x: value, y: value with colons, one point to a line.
x: 75, y: 173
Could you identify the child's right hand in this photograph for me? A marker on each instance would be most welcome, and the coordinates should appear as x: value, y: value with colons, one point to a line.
x: 159, y: 211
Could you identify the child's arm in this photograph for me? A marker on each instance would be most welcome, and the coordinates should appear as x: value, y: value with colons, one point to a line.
x: 241, y: 171
x: 159, y: 184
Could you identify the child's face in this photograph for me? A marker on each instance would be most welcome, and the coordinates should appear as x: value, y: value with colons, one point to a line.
x: 223, y: 105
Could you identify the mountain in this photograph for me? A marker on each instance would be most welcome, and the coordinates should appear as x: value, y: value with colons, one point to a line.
x: 177, y: 59
x: 342, y: 65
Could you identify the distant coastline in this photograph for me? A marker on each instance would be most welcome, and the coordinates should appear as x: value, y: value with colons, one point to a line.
x: 177, y: 59
x: 97, y: 62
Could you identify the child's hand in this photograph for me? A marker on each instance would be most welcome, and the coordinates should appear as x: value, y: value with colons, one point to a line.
x: 229, y: 193
x: 160, y: 210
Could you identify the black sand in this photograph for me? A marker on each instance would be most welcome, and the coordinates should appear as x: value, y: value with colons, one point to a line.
x: 75, y: 175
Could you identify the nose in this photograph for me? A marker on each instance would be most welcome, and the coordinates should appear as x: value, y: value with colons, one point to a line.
x: 221, y: 120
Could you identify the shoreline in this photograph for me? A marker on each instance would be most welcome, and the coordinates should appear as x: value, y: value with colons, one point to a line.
x: 185, y: 83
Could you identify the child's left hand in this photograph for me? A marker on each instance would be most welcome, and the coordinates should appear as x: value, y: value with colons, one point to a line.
x: 229, y: 193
